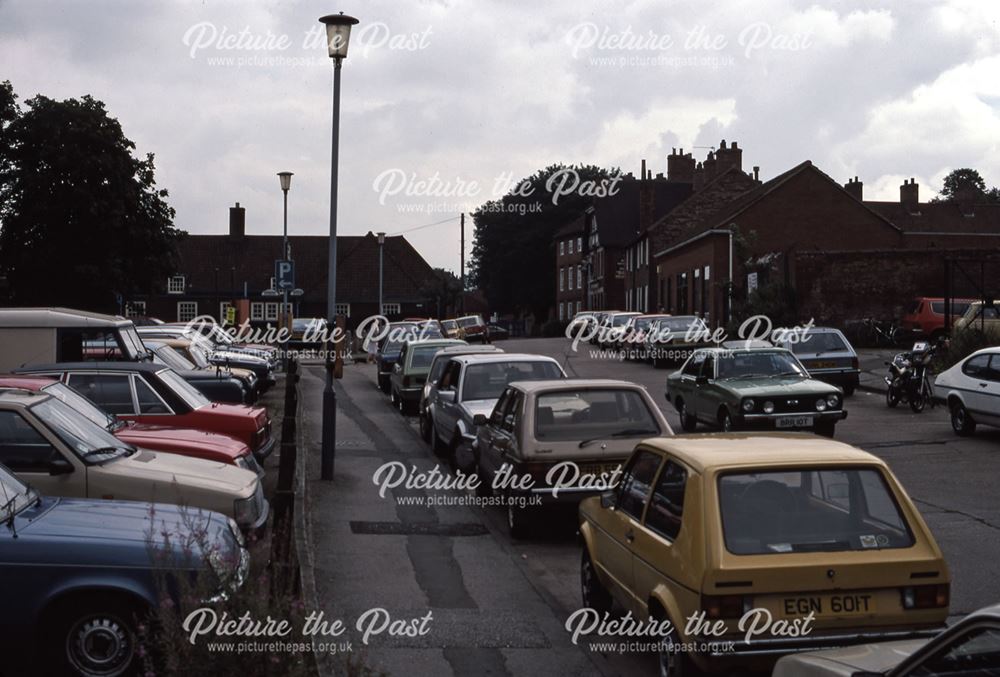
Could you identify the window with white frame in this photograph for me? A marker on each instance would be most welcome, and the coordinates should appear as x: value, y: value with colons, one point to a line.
x: 562, y: 247
x: 579, y: 244
x: 270, y: 311
x: 562, y: 310
x: 579, y: 305
x: 579, y: 276
x: 570, y: 284
x: 175, y: 284
x: 390, y: 309
x: 562, y: 279
x: 342, y: 309
x: 222, y: 310
x: 256, y: 310
x: 135, y: 309
x: 569, y: 246
x: 187, y: 311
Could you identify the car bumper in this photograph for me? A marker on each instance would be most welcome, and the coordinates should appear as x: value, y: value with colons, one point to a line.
x: 770, y: 421
x: 837, y: 377
x: 411, y: 394
x: 258, y: 528
x: 568, y: 496
x: 265, y: 450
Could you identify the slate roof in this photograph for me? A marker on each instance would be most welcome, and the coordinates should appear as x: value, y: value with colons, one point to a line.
x: 940, y: 217
x: 405, y: 272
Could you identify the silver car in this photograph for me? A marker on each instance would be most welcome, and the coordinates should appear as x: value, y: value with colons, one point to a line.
x: 441, y: 358
x: 470, y: 385
x: 828, y: 356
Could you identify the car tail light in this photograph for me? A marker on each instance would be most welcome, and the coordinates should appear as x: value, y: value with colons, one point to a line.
x: 725, y: 606
x: 855, y: 363
x: 926, y: 596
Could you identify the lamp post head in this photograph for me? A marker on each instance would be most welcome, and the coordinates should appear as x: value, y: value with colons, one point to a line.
x: 286, y: 180
x: 381, y: 238
x: 338, y: 34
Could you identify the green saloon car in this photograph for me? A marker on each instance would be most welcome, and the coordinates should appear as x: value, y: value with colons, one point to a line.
x: 747, y: 388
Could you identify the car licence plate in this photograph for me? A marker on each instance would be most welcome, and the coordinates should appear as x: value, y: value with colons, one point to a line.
x: 821, y: 365
x: 599, y: 468
x: 859, y: 604
x: 793, y: 422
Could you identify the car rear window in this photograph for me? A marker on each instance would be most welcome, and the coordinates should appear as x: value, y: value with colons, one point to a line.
x: 487, y: 381
x: 593, y: 414
x: 810, y: 510
x: 816, y: 342
x: 421, y: 357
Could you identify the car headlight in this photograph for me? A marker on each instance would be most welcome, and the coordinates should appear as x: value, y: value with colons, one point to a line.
x: 821, y: 405
x: 768, y: 407
x: 832, y: 401
x: 748, y: 405
x: 247, y: 510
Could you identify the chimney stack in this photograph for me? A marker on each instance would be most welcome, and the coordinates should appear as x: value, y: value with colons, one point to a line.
x: 909, y: 195
x: 698, y: 180
x: 680, y: 167
x: 709, y: 166
x: 727, y: 157
x: 237, y: 221
x: 642, y: 172
x: 756, y: 173
x: 855, y: 189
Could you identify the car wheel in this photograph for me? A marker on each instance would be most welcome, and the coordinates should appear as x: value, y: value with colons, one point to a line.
x: 437, y: 445
x: 425, y: 428
x: 688, y: 422
x: 93, y: 637
x: 961, y: 422
x: 393, y: 399
x: 594, y: 595
x: 849, y: 390
x: 675, y: 663
x: 485, y: 486
x: 383, y: 384
x: 725, y: 421
x: 891, y: 396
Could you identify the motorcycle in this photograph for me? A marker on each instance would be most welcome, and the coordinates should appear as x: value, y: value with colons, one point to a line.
x: 908, y: 380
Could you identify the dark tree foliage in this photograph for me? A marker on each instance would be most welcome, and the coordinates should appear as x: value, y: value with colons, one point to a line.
x: 81, y: 219
x: 512, y: 256
x: 970, y: 178
x: 443, y: 292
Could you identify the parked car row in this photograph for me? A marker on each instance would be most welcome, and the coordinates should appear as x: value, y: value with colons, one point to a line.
x: 719, y: 523
x: 118, y: 447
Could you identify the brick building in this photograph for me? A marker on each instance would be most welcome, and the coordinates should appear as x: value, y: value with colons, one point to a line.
x: 569, y: 244
x: 214, y: 271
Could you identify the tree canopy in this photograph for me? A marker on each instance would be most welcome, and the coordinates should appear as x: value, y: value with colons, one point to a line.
x: 965, y: 176
x: 512, y: 257
x: 81, y: 218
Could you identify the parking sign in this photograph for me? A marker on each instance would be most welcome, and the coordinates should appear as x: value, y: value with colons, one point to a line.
x: 284, y: 274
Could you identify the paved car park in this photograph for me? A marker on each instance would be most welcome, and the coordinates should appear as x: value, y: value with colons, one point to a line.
x: 943, y: 474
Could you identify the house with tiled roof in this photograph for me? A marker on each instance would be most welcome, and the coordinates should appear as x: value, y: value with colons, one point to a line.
x: 216, y: 271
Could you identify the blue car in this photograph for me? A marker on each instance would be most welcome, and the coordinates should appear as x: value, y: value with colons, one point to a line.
x: 78, y: 575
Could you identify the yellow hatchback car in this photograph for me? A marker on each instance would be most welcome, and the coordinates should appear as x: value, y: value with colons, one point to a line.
x: 777, y: 542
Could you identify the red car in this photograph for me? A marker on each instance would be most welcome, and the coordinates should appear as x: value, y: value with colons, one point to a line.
x: 925, y: 316
x: 182, y: 441
x: 155, y: 394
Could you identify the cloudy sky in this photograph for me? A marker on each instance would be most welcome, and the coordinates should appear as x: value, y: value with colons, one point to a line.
x: 478, y: 93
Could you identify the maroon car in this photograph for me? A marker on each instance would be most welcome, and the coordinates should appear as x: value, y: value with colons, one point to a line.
x: 182, y: 441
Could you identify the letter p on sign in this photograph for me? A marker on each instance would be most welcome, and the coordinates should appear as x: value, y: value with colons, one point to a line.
x: 284, y: 274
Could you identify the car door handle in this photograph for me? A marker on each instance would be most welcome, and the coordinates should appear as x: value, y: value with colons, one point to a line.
x: 983, y: 385
x: 629, y: 535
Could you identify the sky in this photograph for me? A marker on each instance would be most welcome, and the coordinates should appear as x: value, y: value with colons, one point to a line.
x: 449, y: 103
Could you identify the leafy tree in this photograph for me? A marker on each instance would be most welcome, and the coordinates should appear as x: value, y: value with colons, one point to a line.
x: 512, y: 259
x: 959, y: 178
x: 81, y: 219
x: 443, y: 292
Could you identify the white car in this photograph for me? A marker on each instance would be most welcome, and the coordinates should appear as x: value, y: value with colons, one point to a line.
x: 971, y: 388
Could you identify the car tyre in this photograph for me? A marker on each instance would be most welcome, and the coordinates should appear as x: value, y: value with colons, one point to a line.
x: 961, y: 421
x: 593, y: 592
x: 437, y: 444
x: 93, y: 636
x: 849, y: 390
x: 426, y: 430
x: 675, y: 663
x: 689, y: 423
x: 726, y: 422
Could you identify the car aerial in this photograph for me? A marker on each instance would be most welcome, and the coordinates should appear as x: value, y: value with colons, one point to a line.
x: 61, y: 452
x: 828, y: 356
x: 739, y: 388
x: 473, y: 328
x: 971, y: 389
x: 441, y: 357
x: 671, y: 340
x: 470, y: 385
x: 798, y: 527
x: 538, y: 427
x: 613, y: 328
x: 406, y: 384
x: 969, y: 647
x: 187, y: 356
x: 217, y: 386
x: 633, y: 339
x: 982, y: 318
x: 183, y: 441
x: 924, y: 318
x: 216, y: 355
x: 82, y: 574
x: 154, y: 394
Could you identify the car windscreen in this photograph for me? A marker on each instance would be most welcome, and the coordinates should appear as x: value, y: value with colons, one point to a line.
x: 77, y: 401
x: 677, y: 328
x: 469, y: 321
x: 191, y: 396
x: 816, y: 342
x: 593, y: 414
x: 199, y: 355
x: 133, y: 344
x: 173, y: 359
x: 422, y: 356
x: 487, y: 381
x: 957, y: 307
x: 87, y: 439
x: 810, y: 510
x: 753, y: 364
x: 13, y: 492
x: 621, y: 320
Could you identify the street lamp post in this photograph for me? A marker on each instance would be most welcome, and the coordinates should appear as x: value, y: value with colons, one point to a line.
x: 381, y: 245
x: 338, y: 35
x: 286, y: 182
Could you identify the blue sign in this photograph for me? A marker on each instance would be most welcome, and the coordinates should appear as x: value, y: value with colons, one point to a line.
x: 284, y: 274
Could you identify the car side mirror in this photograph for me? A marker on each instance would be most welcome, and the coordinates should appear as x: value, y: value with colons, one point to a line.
x: 60, y: 466
x: 608, y: 500
x: 446, y: 395
x: 479, y: 419
x: 701, y: 380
